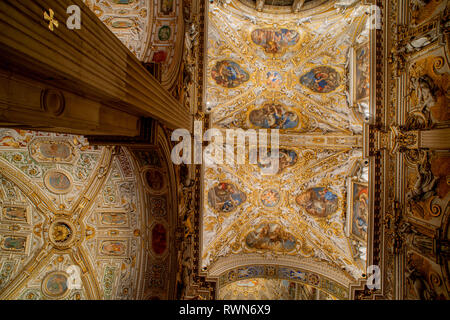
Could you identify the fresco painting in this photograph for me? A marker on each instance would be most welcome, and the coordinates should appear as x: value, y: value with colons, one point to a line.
x: 362, y: 72
x: 15, y: 213
x: 273, y: 41
x: 13, y: 243
x: 159, y: 239
x: 113, y: 218
x: 321, y: 79
x: 360, y: 210
x: 270, y: 198
x: 55, y: 284
x: 273, y: 116
x: 113, y: 248
x: 229, y: 74
x: 270, y: 236
x: 287, y: 158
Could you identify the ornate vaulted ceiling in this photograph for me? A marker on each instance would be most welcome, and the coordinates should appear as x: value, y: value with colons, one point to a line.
x: 295, y: 73
x: 67, y: 208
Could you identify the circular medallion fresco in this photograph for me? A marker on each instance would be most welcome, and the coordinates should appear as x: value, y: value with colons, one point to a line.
x: 154, y: 180
x: 54, y: 284
x: 225, y: 197
x: 270, y: 198
x: 58, y: 181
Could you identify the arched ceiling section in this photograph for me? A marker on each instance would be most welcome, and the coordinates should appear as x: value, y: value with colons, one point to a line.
x: 101, y: 211
x: 271, y: 289
x: 294, y: 74
x: 152, y: 29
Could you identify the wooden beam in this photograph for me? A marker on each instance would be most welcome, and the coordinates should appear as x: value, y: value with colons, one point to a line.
x: 90, y: 62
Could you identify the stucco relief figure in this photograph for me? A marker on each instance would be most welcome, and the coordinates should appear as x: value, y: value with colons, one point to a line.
x: 270, y: 236
x: 61, y: 232
x: 318, y: 202
x: 273, y: 116
x: 417, y: 277
x: 225, y: 197
x: 425, y: 90
x: 229, y: 74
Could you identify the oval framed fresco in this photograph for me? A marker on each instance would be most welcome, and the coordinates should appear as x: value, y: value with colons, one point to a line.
x: 159, y: 239
x: 155, y: 180
x: 318, y: 202
x: 58, y: 181
x: 54, y: 285
x: 225, y: 197
x: 229, y: 74
x: 321, y: 79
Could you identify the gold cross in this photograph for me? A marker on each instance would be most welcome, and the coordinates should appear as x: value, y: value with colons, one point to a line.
x: 50, y: 18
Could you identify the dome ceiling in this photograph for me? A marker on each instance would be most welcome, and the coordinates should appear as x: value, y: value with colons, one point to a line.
x: 293, y: 75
